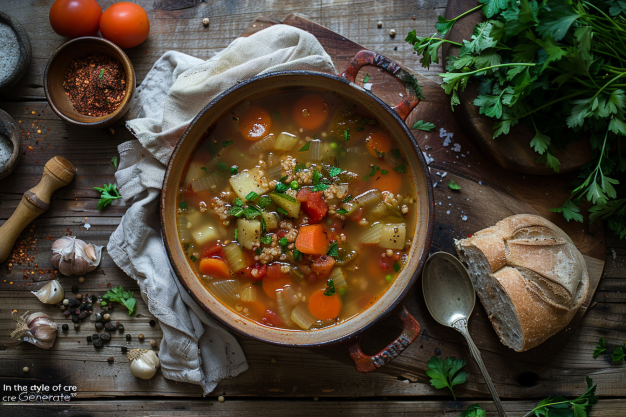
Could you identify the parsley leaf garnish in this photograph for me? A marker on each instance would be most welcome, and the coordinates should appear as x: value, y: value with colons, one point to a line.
x: 342, y: 211
x: 108, y: 194
x: 296, y: 254
x: 330, y: 289
x: 333, y: 250
x: 474, y: 410
x: 266, y: 239
x: 193, y: 258
x: 252, y: 196
x: 366, y: 79
x: 114, y: 161
x: 182, y: 205
x: 334, y: 171
x: 619, y: 353
x: 400, y: 168
x: 346, y: 135
x: 446, y: 374
x: 237, y: 202
x: 283, y: 241
x: 320, y: 187
x: 454, y: 186
x: 281, y: 188
x: 347, y: 199
x: 600, y: 348
x: 264, y: 201
x: 305, y: 147
x: 425, y: 126
x: 396, y: 266
x: 226, y: 143
x: 120, y: 295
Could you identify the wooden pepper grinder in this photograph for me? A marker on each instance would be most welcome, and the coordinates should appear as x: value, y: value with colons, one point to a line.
x: 57, y: 173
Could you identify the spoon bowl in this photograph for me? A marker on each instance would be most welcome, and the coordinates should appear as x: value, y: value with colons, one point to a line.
x: 450, y: 298
x: 448, y: 290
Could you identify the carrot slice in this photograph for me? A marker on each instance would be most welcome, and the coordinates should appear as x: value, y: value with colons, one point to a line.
x: 323, y: 264
x: 256, y: 309
x: 255, y: 124
x: 310, y: 111
x: 378, y: 141
x: 324, y: 307
x: 213, y: 266
x: 390, y: 180
x: 312, y: 240
x: 275, y: 280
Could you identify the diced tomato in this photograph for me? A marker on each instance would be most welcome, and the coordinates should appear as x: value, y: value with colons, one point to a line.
x: 281, y: 233
x: 316, y: 206
x: 303, y: 194
x: 272, y: 319
x: 314, y: 277
x: 274, y: 271
x: 213, y: 251
x: 385, y: 263
x: 188, y: 192
x: 259, y: 272
x: 357, y: 215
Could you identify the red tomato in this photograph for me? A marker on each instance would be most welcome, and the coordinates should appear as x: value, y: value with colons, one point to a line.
x: 125, y: 24
x: 75, y: 18
x: 316, y: 206
x: 213, y: 251
x: 272, y: 319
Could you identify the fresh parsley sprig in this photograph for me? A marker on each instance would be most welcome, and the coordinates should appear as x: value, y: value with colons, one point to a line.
x: 122, y: 296
x: 446, y: 374
x: 108, y: 193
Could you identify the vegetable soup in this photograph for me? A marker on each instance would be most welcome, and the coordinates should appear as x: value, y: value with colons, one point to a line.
x: 297, y: 210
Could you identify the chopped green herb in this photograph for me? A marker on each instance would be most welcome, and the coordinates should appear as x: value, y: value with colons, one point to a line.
x: 366, y: 79
x: 333, y: 250
x: 114, y: 161
x: 282, y: 179
x: 236, y: 235
x: 347, y: 199
x: 258, y: 251
x: 346, y: 135
x: 283, y: 241
x: 334, y: 171
x: 379, y: 154
x: 400, y: 168
x: 296, y: 254
x: 236, y: 211
x: 388, y: 277
x: 252, y: 196
x: 396, y: 153
x: 226, y: 143
x: 108, y: 193
x: 396, y: 266
x: 341, y: 291
x: 294, y: 185
x: 317, y: 176
x: 600, y: 348
x: 305, y: 147
x: 281, y: 188
x: 446, y: 374
x: 233, y: 170
x: 193, y: 258
x: 358, y: 129
x: 330, y: 289
x: 182, y: 205
x: 266, y: 239
x: 299, y: 167
x: 101, y: 73
x: 237, y: 202
x: 222, y: 166
x: 454, y: 186
x: 320, y: 187
x: 425, y: 126
x: 619, y: 353
x: 186, y: 247
x: 342, y: 211
x: 204, y: 169
x: 281, y: 211
x: 265, y: 201
x: 120, y: 295
x: 384, y: 171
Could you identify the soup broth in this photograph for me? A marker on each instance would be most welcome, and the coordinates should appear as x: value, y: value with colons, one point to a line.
x: 297, y: 210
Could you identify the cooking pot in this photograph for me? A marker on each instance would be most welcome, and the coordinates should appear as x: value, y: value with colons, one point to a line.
x: 391, y: 301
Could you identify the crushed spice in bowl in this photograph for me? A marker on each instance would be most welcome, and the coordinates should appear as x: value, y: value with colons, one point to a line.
x: 95, y: 84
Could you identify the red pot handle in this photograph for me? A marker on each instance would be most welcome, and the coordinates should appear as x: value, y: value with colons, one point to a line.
x: 410, y: 330
x: 413, y: 91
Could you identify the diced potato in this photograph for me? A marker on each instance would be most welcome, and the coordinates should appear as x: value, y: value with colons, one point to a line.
x: 393, y: 236
x: 285, y: 142
x: 248, y: 181
x: 195, y: 219
x: 271, y: 220
x: 287, y: 203
x: 205, y: 234
x: 249, y: 233
x: 195, y: 171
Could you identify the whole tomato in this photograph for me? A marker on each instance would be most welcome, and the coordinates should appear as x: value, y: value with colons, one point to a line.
x: 125, y: 24
x: 75, y: 18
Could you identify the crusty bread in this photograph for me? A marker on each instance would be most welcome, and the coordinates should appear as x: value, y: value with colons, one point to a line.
x: 529, y: 275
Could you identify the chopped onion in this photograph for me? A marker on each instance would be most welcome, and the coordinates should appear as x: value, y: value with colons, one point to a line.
x: 263, y: 145
x: 368, y: 199
x: 302, y: 317
x: 315, y: 150
x: 284, y: 308
x: 234, y: 257
x: 291, y: 296
x: 357, y: 150
x: 183, y: 232
x: 248, y: 294
x: 272, y: 160
x: 225, y: 289
x: 297, y: 275
x: 338, y: 278
x: 210, y: 182
x: 372, y: 235
x: 275, y: 173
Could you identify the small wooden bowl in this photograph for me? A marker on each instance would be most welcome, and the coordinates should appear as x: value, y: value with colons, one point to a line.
x: 9, y: 128
x: 26, y: 52
x: 55, y: 74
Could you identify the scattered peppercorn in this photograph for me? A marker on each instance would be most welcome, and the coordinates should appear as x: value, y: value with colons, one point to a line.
x: 97, y: 342
x: 111, y: 359
x: 74, y: 319
x: 76, y: 326
x: 74, y: 289
x: 79, y: 296
x: 120, y: 327
x: 124, y: 349
x: 82, y: 315
x: 105, y: 337
x: 392, y: 33
x: 66, y: 313
x: 153, y: 343
x: 109, y: 326
x: 65, y: 327
x: 89, y: 339
x: 128, y: 337
x: 99, y: 325
x: 140, y: 337
x: 106, y: 317
x: 380, y: 24
x: 152, y: 323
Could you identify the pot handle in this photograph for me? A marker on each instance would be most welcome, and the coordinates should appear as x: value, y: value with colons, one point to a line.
x: 413, y: 91
x: 367, y: 363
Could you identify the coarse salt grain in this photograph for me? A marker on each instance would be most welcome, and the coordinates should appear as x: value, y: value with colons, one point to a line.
x: 456, y: 147
x: 464, y: 218
x: 367, y: 86
x: 427, y: 158
x: 446, y: 142
x: 444, y: 175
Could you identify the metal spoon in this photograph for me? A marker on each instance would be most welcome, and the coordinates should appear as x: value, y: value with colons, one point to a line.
x: 450, y: 298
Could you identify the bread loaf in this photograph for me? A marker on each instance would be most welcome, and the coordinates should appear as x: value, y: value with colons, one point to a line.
x: 529, y: 276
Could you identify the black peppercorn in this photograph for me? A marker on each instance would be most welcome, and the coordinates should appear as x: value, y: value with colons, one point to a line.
x: 98, y: 318
x: 62, y: 307
x: 141, y: 337
x: 109, y: 326
x: 82, y: 315
x: 99, y: 325
x: 74, y: 289
x: 88, y: 339
x: 76, y: 312
x: 97, y: 343
x: 111, y: 359
x: 94, y: 298
x: 128, y: 337
x: 105, y: 337
x: 66, y: 313
x: 72, y: 302
x: 74, y: 319
x: 65, y: 327
x: 120, y: 327
x: 152, y: 323
x: 124, y: 349
x: 76, y: 326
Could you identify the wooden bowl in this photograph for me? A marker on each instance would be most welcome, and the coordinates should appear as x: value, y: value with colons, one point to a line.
x: 55, y: 73
x: 9, y: 128
x: 389, y: 302
x: 26, y: 52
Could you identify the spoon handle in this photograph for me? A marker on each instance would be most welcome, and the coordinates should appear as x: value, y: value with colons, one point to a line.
x: 461, y: 326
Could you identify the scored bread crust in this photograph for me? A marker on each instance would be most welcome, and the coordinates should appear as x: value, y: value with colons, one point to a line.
x: 529, y: 276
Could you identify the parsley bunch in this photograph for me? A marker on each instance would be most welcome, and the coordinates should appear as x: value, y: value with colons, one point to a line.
x: 559, y: 67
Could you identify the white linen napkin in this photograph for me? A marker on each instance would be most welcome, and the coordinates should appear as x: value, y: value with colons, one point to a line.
x: 194, y: 348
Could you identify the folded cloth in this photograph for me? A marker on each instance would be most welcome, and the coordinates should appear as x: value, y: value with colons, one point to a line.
x: 194, y: 348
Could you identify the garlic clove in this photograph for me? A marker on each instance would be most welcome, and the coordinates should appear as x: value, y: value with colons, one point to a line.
x: 143, y: 363
x: 75, y: 257
x: 51, y: 293
x: 38, y: 329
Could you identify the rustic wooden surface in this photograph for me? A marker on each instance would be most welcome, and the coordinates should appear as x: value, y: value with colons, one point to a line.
x: 280, y: 372
x: 510, y: 151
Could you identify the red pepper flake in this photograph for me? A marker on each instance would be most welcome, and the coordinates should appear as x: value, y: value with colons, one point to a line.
x: 470, y: 235
x: 95, y: 84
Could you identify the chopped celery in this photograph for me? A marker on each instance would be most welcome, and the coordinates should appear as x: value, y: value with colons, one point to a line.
x: 385, y: 211
x: 248, y: 294
x: 290, y: 295
x: 372, y: 235
x: 271, y: 220
x: 263, y: 145
x: 284, y: 307
x: 302, y: 317
x: 225, y: 289
x: 234, y: 257
x: 339, y: 278
x: 369, y: 198
x: 287, y: 203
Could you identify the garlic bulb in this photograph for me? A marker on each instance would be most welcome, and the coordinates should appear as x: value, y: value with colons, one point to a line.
x: 51, y: 293
x: 38, y: 329
x: 143, y: 363
x: 75, y: 257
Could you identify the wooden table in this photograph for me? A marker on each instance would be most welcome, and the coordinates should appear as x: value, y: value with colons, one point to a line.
x: 280, y: 381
